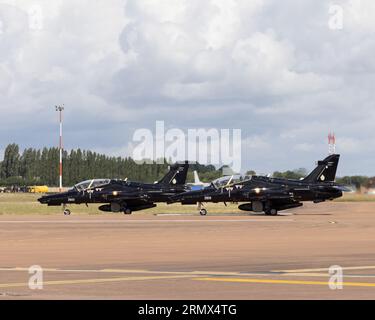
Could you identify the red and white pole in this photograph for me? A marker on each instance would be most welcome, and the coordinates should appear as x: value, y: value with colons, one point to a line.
x: 60, y: 109
x: 331, y: 143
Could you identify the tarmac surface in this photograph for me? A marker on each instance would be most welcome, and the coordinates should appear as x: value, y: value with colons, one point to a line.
x: 142, y: 256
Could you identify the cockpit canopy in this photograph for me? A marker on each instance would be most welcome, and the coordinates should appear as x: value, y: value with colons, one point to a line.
x: 88, y: 184
x: 228, y: 180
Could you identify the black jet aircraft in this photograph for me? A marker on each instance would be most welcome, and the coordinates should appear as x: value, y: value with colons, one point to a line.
x: 269, y: 195
x: 122, y: 195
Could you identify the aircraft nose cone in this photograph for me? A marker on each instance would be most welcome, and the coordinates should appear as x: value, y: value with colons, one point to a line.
x: 43, y: 200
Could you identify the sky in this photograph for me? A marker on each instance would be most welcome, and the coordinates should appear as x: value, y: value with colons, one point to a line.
x: 284, y: 72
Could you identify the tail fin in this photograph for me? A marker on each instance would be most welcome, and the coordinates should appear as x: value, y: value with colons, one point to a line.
x: 176, y: 175
x: 196, y: 178
x: 325, y: 170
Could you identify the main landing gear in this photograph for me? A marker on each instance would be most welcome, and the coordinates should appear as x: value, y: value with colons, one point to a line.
x: 271, y: 212
x: 202, y: 211
x: 127, y: 211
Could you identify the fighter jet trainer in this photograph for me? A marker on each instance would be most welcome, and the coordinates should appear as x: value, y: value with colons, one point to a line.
x: 269, y: 195
x: 122, y: 195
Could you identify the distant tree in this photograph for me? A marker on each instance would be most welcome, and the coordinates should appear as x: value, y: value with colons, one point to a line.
x: 210, y: 176
x: 42, y: 167
x: 356, y: 181
x: 10, y: 164
x: 251, y: 173
x: 301, y: 172
x: 295, y: 174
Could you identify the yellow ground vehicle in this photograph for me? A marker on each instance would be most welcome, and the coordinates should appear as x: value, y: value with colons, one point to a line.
x: 38, y: 189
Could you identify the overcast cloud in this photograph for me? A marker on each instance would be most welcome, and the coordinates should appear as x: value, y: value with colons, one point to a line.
x: 274, y: 69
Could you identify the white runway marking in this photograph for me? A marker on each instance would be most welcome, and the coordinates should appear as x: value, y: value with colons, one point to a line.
x: 326, y: 269
x: 198, y: 273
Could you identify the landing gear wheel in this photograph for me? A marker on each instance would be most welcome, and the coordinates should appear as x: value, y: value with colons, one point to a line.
x: 273, y: 212
x: 203, y: 212
x: 67, y: 212
x: 127, y: 211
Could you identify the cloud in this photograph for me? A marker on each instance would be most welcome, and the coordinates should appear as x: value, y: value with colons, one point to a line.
x: 273, y: 69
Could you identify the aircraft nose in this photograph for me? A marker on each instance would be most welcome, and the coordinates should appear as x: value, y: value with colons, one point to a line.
x: 43, y: 200
x: 47, y: 199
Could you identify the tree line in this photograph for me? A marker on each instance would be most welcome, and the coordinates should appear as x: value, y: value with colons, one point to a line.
x: 41, y: 167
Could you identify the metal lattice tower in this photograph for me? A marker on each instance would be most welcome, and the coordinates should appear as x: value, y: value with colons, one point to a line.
x: 60, y: 109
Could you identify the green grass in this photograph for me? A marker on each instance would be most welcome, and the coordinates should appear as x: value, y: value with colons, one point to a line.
x: 23, y: 204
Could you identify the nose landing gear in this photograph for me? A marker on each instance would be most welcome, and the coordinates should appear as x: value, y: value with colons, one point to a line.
x: 66, y: 211
x: 202, y: 211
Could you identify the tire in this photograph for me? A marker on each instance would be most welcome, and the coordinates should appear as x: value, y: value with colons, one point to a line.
x: 127, y: 211
x: 271, y: 212
x: 203, y: 212
x: 67, y: 212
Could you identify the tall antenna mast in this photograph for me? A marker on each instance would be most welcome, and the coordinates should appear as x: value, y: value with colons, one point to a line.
x: 60, y: 110
x: 331, y: 143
